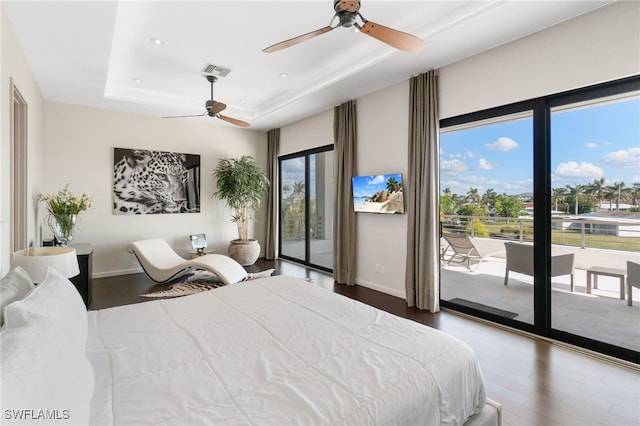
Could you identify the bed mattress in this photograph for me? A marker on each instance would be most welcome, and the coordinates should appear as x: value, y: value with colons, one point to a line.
x: 276, y: 351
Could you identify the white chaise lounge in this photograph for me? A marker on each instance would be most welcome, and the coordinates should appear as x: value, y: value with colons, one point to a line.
x: 163, y: 265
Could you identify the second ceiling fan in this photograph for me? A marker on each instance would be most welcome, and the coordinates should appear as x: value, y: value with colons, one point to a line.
x: 347, y: 14
x: 214, y: 108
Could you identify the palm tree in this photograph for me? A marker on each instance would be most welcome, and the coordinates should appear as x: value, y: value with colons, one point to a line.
x: 473, y: 196
x: 489, y: 198
x: 598, y: 189
x: 557, y: 195
x: 617, y: 190
x: 635, y: 194
x: 577, y: 190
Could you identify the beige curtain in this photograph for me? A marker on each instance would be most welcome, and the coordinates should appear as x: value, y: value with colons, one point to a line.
x: 273, y: 142
x: 344, y: 220
x: 423, y: 237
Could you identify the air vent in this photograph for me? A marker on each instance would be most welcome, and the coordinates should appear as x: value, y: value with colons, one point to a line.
x: 216, y: 70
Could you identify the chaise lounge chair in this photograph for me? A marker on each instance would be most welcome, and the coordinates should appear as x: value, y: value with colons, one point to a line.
x: 163, y: 265
x: 520, y: 259
x: 464, y: 251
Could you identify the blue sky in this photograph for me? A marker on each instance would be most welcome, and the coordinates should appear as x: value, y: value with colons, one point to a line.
x: 366, y: 186
x: 587, y: 143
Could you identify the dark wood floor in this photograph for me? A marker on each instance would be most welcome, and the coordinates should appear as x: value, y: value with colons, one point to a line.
x: 538, y: 382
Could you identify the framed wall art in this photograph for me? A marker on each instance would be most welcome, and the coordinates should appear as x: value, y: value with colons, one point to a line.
x: 155, y: 182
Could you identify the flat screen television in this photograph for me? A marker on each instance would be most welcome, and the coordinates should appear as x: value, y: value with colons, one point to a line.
x: 378, y: 193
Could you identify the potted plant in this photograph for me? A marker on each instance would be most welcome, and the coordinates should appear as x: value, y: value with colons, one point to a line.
x: 241, y: 184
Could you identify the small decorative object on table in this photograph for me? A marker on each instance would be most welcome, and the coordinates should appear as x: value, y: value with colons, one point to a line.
x: 63, y: 210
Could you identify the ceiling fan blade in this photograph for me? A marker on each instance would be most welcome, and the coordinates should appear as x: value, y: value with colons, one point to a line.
x: 296, y: 40
x: 394, y: 38
x: 186, y: 116
x: 215, y: 107
x: 233, y: 120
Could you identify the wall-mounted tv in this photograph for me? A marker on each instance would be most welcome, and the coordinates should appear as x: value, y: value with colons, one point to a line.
x: 378, y: 193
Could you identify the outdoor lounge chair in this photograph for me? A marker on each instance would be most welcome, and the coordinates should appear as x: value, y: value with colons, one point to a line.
x: 520, y: 259
x: 464, y: 251
x: 163, y: 265
x: 633, y: 279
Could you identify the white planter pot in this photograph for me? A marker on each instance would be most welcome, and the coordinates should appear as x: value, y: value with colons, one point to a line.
x: 244, y: 252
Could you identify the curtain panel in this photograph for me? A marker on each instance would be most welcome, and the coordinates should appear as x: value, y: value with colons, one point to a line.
x: 422, y: 276
x: 344, y: 228
x: 273, y: 143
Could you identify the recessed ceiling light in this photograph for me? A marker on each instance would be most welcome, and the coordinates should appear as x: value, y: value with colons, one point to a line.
x: 243, y: 101
x: 156, y: 40
x: 283, y: 75
x: 137, y: 80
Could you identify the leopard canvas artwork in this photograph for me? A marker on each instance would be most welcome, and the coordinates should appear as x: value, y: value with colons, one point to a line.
x: 155, y: 182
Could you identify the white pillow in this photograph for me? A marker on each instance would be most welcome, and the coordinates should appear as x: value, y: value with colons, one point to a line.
x: 14, y: 286
x: 46, y: 377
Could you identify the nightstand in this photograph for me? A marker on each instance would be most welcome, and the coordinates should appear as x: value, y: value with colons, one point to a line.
x: 83, y: 281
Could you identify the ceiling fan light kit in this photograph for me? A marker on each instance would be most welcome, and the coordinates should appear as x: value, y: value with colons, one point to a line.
x: 347, y: 13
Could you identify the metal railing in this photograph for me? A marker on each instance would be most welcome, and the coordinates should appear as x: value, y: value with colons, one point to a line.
x: 604, y: 233
x: 293, y: 229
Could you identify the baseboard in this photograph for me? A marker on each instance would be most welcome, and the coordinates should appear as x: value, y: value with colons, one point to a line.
x: 381, y: 289
x: 117, y: 273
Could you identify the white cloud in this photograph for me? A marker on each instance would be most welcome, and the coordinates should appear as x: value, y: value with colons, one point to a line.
x: 582, y: 170
x: 502, y: 144
x: 624, y: 158
x: 484, y: 164
x: 453, y: 167
x: 591, y: 145
x: 376, y: 180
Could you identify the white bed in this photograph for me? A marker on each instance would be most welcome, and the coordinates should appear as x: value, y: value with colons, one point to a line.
x: 274, y: 351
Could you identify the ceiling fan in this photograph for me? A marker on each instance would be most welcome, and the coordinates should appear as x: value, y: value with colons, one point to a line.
x: 214, y: 108
x: 347, y: 14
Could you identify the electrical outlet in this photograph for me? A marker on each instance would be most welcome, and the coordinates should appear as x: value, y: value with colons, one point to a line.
x: 382, y: 269
x: 377, y: 268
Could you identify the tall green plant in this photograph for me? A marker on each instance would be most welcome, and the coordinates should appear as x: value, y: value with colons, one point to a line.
x: 241, y: 184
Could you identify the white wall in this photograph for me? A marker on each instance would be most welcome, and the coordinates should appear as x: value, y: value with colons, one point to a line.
x: 597, y: 47
x: 79, y: 151
x: 383, y: 135
x: 308, y: 133
x: 14, y: 66
x: 601, y: 46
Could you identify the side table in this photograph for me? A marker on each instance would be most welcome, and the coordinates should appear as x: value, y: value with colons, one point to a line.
x: 607, y: 272
x: 195, y: 255
x: 83, y: 281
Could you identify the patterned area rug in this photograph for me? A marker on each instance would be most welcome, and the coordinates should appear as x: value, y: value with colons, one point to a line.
x: 200, y: 282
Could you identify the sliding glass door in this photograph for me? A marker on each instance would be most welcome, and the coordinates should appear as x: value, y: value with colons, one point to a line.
x: 486, y: 178
x: 306, y: 207
x: 540, y: 213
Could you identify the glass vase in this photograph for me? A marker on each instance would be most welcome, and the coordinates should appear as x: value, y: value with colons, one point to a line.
x: 62, y: 225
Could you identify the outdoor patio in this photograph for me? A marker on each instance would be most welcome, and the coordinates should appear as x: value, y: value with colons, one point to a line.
x: 601, y: 315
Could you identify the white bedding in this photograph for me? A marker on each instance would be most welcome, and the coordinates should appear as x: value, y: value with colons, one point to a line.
x: 276, y: 351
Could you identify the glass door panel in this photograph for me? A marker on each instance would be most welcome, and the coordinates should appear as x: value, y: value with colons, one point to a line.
x: 321, y: 209
x: 293, y: 227
x: 306, y: 207
x: 595, y: 164
x: 486, y: 202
